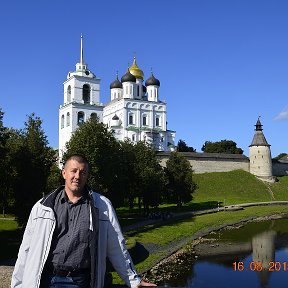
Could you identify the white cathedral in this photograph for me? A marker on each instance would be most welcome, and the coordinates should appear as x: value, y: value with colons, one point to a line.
x: 134, y: 112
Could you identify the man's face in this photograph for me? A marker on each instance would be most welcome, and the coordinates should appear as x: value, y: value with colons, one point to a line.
x: 75, y: 175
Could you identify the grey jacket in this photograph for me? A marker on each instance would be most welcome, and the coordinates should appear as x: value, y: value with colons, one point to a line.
x: 109, y: 242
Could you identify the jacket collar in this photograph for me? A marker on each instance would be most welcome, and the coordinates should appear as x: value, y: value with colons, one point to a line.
x: 49, y: 199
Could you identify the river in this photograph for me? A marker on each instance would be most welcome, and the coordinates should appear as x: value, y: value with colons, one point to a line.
x: 251, y: 255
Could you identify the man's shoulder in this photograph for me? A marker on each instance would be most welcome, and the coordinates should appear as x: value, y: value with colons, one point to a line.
x: 101, y: 202
x: 100, y: 197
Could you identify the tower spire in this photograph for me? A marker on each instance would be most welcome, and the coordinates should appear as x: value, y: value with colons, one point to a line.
x: 81, y: 50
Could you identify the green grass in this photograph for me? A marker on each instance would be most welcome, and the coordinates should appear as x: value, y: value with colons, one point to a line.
x: 280, y: 188
x: 10, y: 238
x: 237, y: 187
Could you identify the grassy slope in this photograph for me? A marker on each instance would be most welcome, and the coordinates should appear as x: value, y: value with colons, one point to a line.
x: 237, y: 187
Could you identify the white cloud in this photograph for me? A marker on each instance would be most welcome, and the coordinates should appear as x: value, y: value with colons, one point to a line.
x: 282, y: 115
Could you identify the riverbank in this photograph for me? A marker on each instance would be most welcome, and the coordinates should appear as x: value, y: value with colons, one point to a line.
x: 197, y: 248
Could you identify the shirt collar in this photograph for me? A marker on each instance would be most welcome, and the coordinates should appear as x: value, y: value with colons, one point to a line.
x: 64, y: 198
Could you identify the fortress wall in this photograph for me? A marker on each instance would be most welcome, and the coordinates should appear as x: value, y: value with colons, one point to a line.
x: 280, y: 169
x: 210, y: 162
x: 217, y: 165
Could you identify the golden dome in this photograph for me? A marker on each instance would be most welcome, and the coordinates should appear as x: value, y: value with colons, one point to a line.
x: 136, y: 71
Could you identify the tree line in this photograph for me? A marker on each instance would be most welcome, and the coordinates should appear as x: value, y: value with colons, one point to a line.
x: 127, y: 173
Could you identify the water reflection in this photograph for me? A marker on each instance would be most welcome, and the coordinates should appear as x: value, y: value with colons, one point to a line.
x: 254, y: 255
x: 263, y: 246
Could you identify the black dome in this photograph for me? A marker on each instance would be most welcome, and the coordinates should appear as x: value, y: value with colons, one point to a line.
x: 116, y: 84
x: 128, y: 77
x: 152, y: 81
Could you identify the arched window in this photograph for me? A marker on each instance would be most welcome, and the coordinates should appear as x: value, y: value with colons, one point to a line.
x: 133, y: 137
x: 68, y: 119
x: 94, y: 116
x: 86, y: 93
x: 80, y: 119
x: 131, y: 119
x: 69, y: 94
x: 62, y: 121
x: 144, y: 120
x: 157, y: 121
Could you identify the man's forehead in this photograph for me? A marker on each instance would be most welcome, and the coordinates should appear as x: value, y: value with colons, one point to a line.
x: 75, y: 163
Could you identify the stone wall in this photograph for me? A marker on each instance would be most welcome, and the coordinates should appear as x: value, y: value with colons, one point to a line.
x: 215, y: 162
x: 280, y: 168
x: 211, y: 162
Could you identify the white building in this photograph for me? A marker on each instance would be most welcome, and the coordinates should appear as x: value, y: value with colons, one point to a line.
x: 135, y: 111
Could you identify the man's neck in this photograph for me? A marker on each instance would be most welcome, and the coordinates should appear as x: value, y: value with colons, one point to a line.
x: 73, y: 197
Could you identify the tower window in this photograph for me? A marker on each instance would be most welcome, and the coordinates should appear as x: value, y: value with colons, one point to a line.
x: 157, y: 121
x: 138, y: 89
x: 69, y: 94
x: 144, y: 120
x: 68, y: 119
x: 131, y: 122
x: 62, y: 121
x: 86, y: 93
x: 133, y: 137
x: 80, y: 119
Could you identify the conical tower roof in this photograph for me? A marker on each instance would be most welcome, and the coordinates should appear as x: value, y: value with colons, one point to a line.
x: 259, y: 138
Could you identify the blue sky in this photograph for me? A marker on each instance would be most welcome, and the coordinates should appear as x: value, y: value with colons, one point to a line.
x: 221, y: 63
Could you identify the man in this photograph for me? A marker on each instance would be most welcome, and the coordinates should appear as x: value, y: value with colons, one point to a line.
x: 68, y: 236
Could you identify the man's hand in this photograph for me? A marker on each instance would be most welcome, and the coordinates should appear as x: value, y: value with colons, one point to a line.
x: 146, y: 284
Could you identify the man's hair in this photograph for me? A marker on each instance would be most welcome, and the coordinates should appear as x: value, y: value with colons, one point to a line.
x: 77, y: 157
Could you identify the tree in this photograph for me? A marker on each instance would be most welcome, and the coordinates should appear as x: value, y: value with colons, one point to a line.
x: 183, y: 147
x: 281, y: 155
x: 223, y: 146
x: 128, y: 169
x: 32, y: 159
x: 180, y: 184
x: 5, y: 195
x: 54, y: 179
x: 93, y: 140
x: 150, y: 177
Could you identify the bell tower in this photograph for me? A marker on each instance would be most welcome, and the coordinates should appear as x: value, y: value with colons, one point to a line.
x: 81, y: 101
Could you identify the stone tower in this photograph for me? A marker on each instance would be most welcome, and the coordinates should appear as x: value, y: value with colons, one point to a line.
x: 260, y: 155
